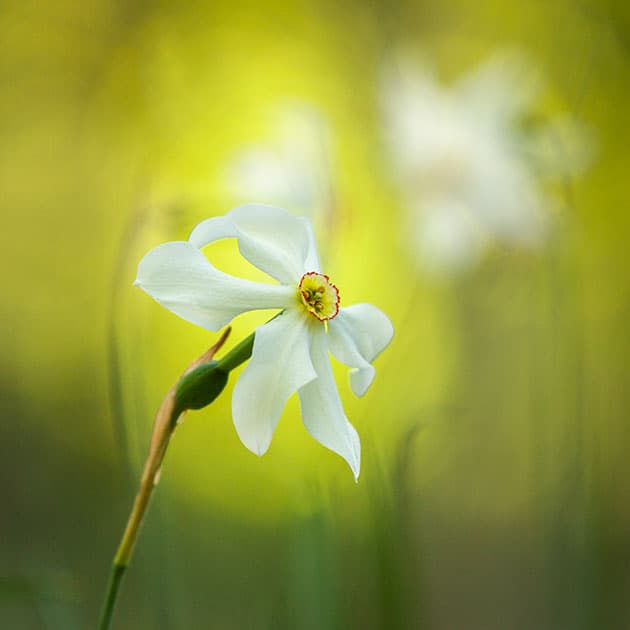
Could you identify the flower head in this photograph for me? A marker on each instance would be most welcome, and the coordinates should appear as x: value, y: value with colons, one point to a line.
x: 467, y: 168
x: 290, y: 351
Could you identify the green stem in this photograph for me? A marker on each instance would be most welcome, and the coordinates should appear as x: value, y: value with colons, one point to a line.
x: 162, y: 435
x: 165, y: 423
x: 237, y: 355
x: 112, y: 592
x: 241, y: 352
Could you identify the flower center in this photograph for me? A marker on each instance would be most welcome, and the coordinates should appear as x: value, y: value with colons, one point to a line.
x: 319, y: 295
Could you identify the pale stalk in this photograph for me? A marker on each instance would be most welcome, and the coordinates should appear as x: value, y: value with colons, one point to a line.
x: 168, y: 417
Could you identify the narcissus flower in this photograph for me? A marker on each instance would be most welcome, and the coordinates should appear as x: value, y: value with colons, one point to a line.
x: 468, y: 165
x: 292, y: 168
x: 291, y: 351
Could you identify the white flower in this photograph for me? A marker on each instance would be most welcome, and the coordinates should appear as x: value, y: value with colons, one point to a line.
x: 290, y: 352
x: 292, y: 169
x: 468, y: 170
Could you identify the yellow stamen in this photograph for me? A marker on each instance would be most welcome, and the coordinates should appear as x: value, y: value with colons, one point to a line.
x: 319, y: 295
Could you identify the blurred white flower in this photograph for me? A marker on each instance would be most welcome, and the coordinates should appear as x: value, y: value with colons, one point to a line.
x: 468, y: 169
x: 290, y: 352
x: 293, y: 169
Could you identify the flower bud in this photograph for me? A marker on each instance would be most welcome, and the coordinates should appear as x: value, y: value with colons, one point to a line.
x: 199, y: 387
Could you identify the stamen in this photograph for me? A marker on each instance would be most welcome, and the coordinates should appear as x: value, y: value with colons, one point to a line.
x: 319, y: 295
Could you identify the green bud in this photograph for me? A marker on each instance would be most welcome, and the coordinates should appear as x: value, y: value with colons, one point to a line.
x: 203, y: 384
x: 237, y: 355
x: 200, y: 387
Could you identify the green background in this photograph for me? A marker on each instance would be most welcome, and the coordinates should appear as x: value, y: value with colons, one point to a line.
x: 494, y: 491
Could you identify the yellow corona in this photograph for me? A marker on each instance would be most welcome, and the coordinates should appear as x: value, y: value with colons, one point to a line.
x: 319, y: 295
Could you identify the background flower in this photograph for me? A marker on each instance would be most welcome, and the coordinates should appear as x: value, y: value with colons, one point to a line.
x: 292, y: 168
x: 469, y: 169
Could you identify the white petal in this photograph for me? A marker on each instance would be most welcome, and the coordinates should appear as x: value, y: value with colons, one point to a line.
x: 180, y: 278
x: 322, y: 412
x: 357, y: 336
x: 275, y: 241
x: 280, y: 365
x: 502, y: 87
x: 211, y: 230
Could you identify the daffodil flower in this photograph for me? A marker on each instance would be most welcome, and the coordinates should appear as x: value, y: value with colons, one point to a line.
x: 291, y: 351
x: 468, y: 168
x: 291, y: 169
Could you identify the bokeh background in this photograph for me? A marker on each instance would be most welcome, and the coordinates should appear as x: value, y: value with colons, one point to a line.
x: 494, y: 491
